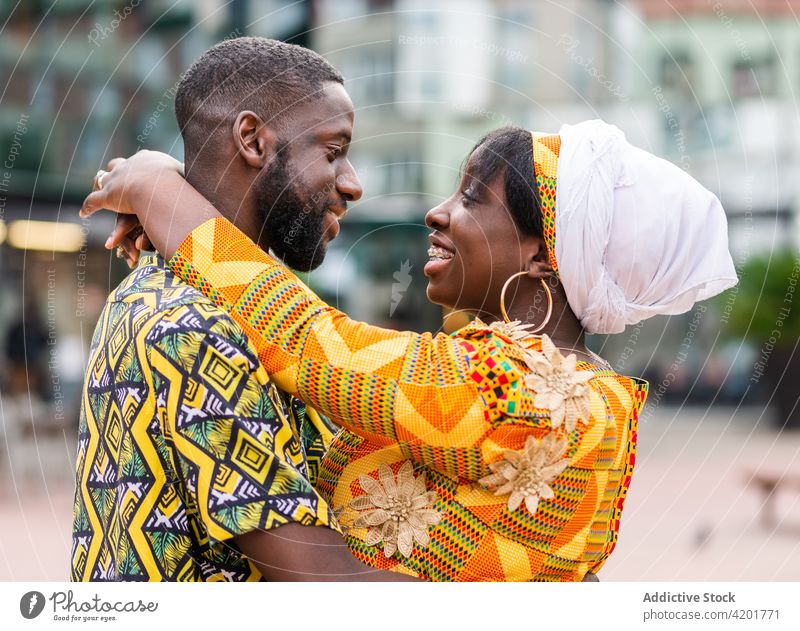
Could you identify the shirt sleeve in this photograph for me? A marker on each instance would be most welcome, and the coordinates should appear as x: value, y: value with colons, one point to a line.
x: 229, y: 438
x: 441, y: 398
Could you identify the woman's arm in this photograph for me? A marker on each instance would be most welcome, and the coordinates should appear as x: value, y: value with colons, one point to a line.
x: 426, y: 393
x: 417, y: 390
x: 149, y: 188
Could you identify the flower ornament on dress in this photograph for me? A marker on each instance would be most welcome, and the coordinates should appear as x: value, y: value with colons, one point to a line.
x: 515, y: 330
x: 342, y: 515
x: 526, y: 475
x: 559, y: 387
x: 396, y: 511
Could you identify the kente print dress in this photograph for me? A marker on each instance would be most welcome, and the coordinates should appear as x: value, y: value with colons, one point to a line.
x: 485, y: 455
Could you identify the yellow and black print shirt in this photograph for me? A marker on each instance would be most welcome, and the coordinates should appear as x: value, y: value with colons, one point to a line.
x: 184, y: 442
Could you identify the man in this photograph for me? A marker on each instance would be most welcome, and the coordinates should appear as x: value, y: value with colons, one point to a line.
x: 191, y: 464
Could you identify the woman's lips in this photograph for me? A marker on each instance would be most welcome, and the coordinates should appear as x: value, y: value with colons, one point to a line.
x: 438, y: 258
x: 435, y: 265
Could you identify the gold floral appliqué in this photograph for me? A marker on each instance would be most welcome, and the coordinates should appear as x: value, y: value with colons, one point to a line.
x: 525, y: 475
x: 396, y: 511
x: 514, y: 330
x: 559, y: 386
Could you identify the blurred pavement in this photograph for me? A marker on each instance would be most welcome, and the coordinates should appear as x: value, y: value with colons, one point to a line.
x: 689, y: 516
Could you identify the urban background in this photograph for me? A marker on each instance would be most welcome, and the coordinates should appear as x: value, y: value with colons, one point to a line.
x: 710, y: 85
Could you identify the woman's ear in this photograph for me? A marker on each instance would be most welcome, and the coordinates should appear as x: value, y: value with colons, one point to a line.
x: 255, y: 142
x: 538, y: 264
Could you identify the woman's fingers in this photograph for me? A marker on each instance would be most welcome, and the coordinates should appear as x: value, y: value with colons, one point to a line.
x: 94, y: 201
x: 116, y: 188
x: 127, y: 226
x: 114, y: 162
x: 98, y: 178
x: 125, y: 238
x: 108, y: 187
x: 129, y: 251
x: 143, y: 242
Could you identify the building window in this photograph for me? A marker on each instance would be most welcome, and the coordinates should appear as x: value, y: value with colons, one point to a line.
x: 677, y: 73
x: 754, y: 78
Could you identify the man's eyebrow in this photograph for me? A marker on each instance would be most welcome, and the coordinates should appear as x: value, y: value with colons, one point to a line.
x: 344, y: 134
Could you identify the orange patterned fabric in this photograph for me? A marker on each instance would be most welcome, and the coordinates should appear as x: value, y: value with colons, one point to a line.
x: 450, y: 404
x: 546, y: 148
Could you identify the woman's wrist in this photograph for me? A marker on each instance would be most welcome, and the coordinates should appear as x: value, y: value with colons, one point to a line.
x: 171, y: 210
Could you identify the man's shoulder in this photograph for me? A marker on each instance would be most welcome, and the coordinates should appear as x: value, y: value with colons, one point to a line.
x: 154, y: 285
x: 163, y: 305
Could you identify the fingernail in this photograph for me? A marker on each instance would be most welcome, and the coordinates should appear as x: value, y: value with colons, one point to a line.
x: 108, y: 243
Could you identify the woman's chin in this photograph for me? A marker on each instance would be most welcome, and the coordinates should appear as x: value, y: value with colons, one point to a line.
x: 438, y: 295
x: 434, y: 293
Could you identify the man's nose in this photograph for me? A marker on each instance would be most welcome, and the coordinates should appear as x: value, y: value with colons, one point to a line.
x: 348, y: 184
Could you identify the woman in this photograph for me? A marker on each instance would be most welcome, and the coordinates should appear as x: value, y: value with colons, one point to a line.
x: 494, y: 453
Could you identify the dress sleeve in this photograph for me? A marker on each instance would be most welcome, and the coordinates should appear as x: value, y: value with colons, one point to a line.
x: 438, y: 397
x: 231, y: 443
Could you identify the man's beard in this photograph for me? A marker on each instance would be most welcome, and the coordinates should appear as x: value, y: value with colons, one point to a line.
x: 292, y: 226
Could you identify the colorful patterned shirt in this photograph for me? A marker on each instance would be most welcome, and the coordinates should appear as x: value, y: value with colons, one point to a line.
x: 184, y: 442
x: 450, y: 405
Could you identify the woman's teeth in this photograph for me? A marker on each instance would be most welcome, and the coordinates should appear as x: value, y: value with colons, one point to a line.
x: 437, y: 253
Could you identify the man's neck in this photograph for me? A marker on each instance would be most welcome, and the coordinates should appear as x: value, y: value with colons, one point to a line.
x: 238, y: 209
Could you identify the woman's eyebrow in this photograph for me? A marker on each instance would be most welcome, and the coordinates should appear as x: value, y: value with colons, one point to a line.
x: 473, y: 183
x: 465, y: 173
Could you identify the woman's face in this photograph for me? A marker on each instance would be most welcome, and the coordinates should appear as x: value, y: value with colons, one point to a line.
x: 475, y: 245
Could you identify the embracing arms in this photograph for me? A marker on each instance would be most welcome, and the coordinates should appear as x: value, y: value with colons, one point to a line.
x: 434, y: 396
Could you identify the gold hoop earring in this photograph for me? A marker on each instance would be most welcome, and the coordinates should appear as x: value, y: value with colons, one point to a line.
x: 546, y: 290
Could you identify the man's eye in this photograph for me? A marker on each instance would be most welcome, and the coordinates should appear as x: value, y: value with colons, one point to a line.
x: 335, y: 152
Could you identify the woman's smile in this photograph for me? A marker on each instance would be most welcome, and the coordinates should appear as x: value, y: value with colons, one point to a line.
x: 439, y: 256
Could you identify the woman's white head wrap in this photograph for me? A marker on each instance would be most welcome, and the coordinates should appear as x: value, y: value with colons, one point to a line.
x: 635, y: 236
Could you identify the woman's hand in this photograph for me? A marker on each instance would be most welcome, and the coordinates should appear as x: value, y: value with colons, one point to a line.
x: 129, y: 183
x: 132, y: 187
x: 129, y: 238
x: 128, y: 230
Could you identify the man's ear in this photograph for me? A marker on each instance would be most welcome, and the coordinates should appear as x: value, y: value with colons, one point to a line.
x: 538, y: 263
x: 255, y: 141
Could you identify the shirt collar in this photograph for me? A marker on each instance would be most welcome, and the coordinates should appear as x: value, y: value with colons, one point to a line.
x: 150, y: 259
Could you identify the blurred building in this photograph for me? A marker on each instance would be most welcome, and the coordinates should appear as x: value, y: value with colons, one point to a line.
x: 729, y: 73
x: 714, y: 87
x: 82, y: 82
x: 708, y: 85
x: 428, y: 80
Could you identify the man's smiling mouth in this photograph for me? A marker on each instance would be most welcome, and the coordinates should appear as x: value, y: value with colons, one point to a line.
x: 332, y: 225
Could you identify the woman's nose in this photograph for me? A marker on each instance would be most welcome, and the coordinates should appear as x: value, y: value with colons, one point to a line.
x: 438, y: 217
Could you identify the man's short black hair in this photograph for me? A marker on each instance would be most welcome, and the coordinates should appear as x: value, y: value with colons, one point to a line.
x: 266, y: 76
